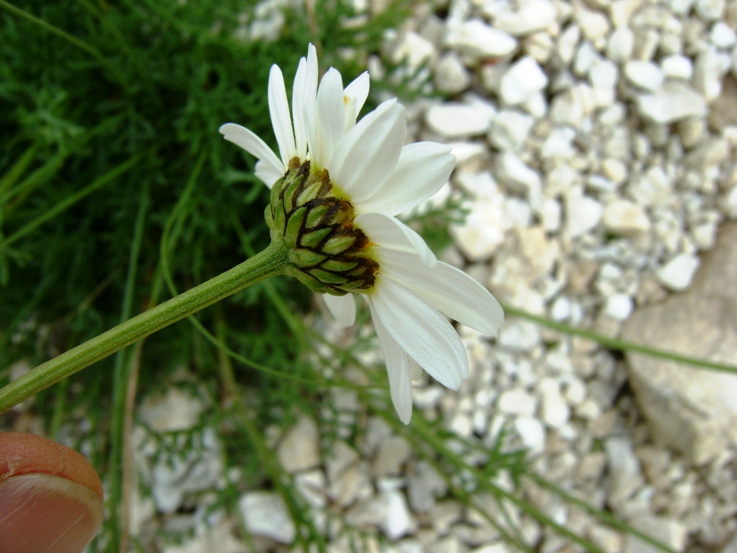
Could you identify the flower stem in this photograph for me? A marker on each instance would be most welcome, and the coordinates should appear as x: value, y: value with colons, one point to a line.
x: 622, y: 345
x: 270, y: 262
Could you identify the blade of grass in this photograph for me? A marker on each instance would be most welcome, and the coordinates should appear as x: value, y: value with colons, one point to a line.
x: 40, y: 175
x: 46, y: 171
x: 15, y: 172
x: 60, y: 404
x: 125, y: 360
x: 268, y: 457
x: 468, y: 499
x: 421, y: 429
x: 605, y: 517
x: 622, y: 345
x: 51, y: 28
x: 71, y: 200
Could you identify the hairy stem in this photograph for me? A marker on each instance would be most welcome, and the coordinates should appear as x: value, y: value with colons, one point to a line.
x: 272, y: 261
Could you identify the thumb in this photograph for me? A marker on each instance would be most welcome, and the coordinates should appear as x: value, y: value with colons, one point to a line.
x: 50, y: 496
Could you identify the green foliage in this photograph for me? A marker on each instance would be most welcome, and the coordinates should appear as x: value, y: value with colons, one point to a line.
x: 127, y: 96
x: 116, y: 190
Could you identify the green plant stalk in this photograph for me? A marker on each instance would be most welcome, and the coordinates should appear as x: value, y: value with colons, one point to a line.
x: 421, y: 430
x: 267, y: 456
x: 270, y: 262
x: 598, y: 513
x: 125, y: 361
x: 18, y: 168
x: 39, y: 176
x: 621, y: 345
x: 11, y: 195
x: 56, y: 30
x: 71, y: 200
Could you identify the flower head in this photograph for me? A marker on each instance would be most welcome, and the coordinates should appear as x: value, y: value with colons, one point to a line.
x: 337, y: 187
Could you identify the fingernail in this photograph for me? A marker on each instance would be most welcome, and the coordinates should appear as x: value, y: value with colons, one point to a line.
x: 42, y: 512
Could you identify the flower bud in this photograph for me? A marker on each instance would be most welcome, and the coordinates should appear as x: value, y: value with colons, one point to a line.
x: 314, y: 221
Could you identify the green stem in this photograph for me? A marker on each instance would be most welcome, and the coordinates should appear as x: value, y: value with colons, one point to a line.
x: 126, y: 363
x: 70, y: 200
x: 621, y: 345
x: 270, y: 262
x: 598, y: 513
x: 56, y: 30
x: 18, y: 168
x: 420, y: 429
x: 266, y: 456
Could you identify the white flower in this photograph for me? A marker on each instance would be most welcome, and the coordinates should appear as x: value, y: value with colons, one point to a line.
x: 381, y: 178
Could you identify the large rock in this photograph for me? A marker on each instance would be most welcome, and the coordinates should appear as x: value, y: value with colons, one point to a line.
x: 692, y: 410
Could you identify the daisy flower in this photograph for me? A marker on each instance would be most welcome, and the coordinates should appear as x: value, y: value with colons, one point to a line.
x: 337, y: 187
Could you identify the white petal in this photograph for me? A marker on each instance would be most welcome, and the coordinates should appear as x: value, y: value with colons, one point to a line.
x: 349, y: 107
x: 422, y: 332
x: 267, y: 174
x: 369, y: 151
x: 448, y: 290
x: 330, y: 118
x: 343, y: 308
x: 303, y: 99
x: 310, y: 99
x: 248, y: 140
x: 280, y: 118
x: 392, y: 234
x: 423, y: 168
x: 298, y: 109
x: 357, y: 91
x: 398, y: 367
